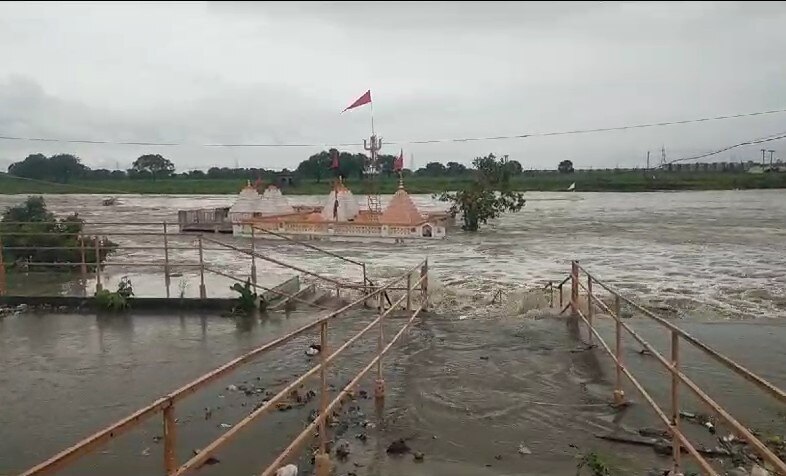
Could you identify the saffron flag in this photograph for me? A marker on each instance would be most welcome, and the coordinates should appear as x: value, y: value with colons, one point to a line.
x: 398, y: 164
x: 334, y: 162
x: 364, y: 99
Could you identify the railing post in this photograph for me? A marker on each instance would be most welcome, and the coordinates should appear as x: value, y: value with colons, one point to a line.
x: 253, y: 258
x: 675, y: 402
x: 409, y: 292
x: 574, y: 287
x: 2, y: 270
x: 166, y: 261
x: 379, y: 389
x: 561, y: 297
x: 170, y: 439
x: 322, y: 459
x: 202, y: 290
x: 551, y: 293
x: 589, y: 307
x: 365, y: 288
x: 99, y: 287
x: 619, y: 394
x: 424, y: 284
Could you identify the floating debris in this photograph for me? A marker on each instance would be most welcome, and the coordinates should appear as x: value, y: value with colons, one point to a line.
x: 313, y: 349
x: 419, y: 456
x: 398, y: 447
x: 342, y: 449
x: 146, y: 452
x: 288, y: 470
x: 523, y: 450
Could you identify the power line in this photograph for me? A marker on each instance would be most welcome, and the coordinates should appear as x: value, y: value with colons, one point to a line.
x: 411, y: 142
x: 779, y: 136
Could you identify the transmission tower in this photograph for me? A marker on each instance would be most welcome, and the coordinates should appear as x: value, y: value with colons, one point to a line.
x: 663, y: 156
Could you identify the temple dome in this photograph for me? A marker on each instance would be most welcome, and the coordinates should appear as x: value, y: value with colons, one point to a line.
x: 248, y: 201
x: 341, y: 201
x: 273, y: 202
x: 401, y: 209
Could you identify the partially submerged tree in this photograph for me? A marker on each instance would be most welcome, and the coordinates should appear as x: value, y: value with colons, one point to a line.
x: 153, y: 165
x: 32, y: 234
x: 565, y: 167
x: 489, y: 194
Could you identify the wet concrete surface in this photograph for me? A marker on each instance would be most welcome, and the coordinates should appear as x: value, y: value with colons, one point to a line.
x: 467, y: 393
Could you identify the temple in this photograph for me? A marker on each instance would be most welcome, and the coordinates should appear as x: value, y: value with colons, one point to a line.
x: 339, y: 218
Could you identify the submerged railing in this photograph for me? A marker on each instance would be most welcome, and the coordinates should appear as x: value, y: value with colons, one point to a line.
x: 94, y: 244
x: 671, y: 364
x: 167, y: 404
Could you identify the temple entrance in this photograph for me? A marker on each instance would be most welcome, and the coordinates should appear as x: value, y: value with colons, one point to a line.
x: 427, y: 231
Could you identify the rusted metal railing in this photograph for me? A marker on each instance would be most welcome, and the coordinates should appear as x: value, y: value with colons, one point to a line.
x: 90, y: 243
x: 672, y: 364
x: 167, y: 404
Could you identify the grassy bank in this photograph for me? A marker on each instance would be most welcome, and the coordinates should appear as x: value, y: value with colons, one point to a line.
x: 587, y: 181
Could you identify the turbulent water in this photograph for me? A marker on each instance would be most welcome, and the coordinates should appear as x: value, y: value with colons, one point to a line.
x: 699, y: 254
x: 469, y: 384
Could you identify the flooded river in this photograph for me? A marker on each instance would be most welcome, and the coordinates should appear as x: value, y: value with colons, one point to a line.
x: 469, y: 384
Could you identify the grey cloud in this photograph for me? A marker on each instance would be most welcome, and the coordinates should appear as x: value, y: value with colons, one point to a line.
x: 281, y: 72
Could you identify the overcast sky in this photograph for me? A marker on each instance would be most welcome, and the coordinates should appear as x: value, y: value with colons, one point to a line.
x: 281, y: 73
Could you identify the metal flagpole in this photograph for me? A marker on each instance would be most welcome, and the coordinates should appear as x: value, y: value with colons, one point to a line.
x: 372, y: 117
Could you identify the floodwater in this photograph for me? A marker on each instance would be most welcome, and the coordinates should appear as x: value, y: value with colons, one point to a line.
x: 469, y: 384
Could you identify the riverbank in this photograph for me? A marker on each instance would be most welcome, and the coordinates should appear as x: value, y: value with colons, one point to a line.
x: 586, y: 181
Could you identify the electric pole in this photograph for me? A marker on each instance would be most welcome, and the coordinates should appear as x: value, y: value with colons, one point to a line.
x: 771, y: 152
x: 762, y: 156
x: 648, y: 160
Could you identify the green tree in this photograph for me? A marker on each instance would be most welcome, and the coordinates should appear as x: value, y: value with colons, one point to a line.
x: 30, y: 232
x: 488, y: 196
x: 455, y: 169
x: 58, y: 168
x: 153, y: 164
x: 565, y: 167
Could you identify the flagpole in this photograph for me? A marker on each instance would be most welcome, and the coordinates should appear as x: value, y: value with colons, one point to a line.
x: 372, y: 118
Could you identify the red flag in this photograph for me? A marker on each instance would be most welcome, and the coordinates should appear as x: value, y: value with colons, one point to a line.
x: 398, y: 164
x: 364, y: 99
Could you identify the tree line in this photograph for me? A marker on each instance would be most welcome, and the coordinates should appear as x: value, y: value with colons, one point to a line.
x: 64, y: 168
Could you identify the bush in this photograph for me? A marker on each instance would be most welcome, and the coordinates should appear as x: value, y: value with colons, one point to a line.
x: 247, y: 300
x: 39, y: 232
x: 118, y: 300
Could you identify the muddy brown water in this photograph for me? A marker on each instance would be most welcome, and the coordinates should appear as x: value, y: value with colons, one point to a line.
x: 470, y: 383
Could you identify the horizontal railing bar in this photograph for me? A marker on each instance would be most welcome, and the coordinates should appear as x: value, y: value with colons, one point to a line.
x: 93, y: 223
x: 282, y: 303
x: 94, y: 232
x: 117, y: 248
x: 120, y: 427
x: 307, y: 245
x: 683, y: 439
x: 309, y: 430
x: 727, y: 362
x: 562, y: 283
x: 197, y: 460
x: 259, y: 286
x: 760, y: 447
x: 171, y: 265
x: 280, y: 263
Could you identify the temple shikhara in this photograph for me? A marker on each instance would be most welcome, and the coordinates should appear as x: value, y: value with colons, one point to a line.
x: 340, y: 217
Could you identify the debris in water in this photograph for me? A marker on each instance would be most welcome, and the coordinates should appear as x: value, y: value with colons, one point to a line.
x: 225, y: 425
x: 157, y: 438
x: 362, y: 437
x: 484, y: 357
x: 146, y: 452
x: 232, y: 388
x: 498, y: 457
x: 342, y: 449
x: 398, y: 447
x: 288, y: 470
x: 313, y: 350
x: 419, y: 456
x: 523, y: 450
x: 208, y: 413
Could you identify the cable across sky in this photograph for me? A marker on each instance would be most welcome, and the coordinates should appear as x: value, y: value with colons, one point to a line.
x: 406, y: 142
